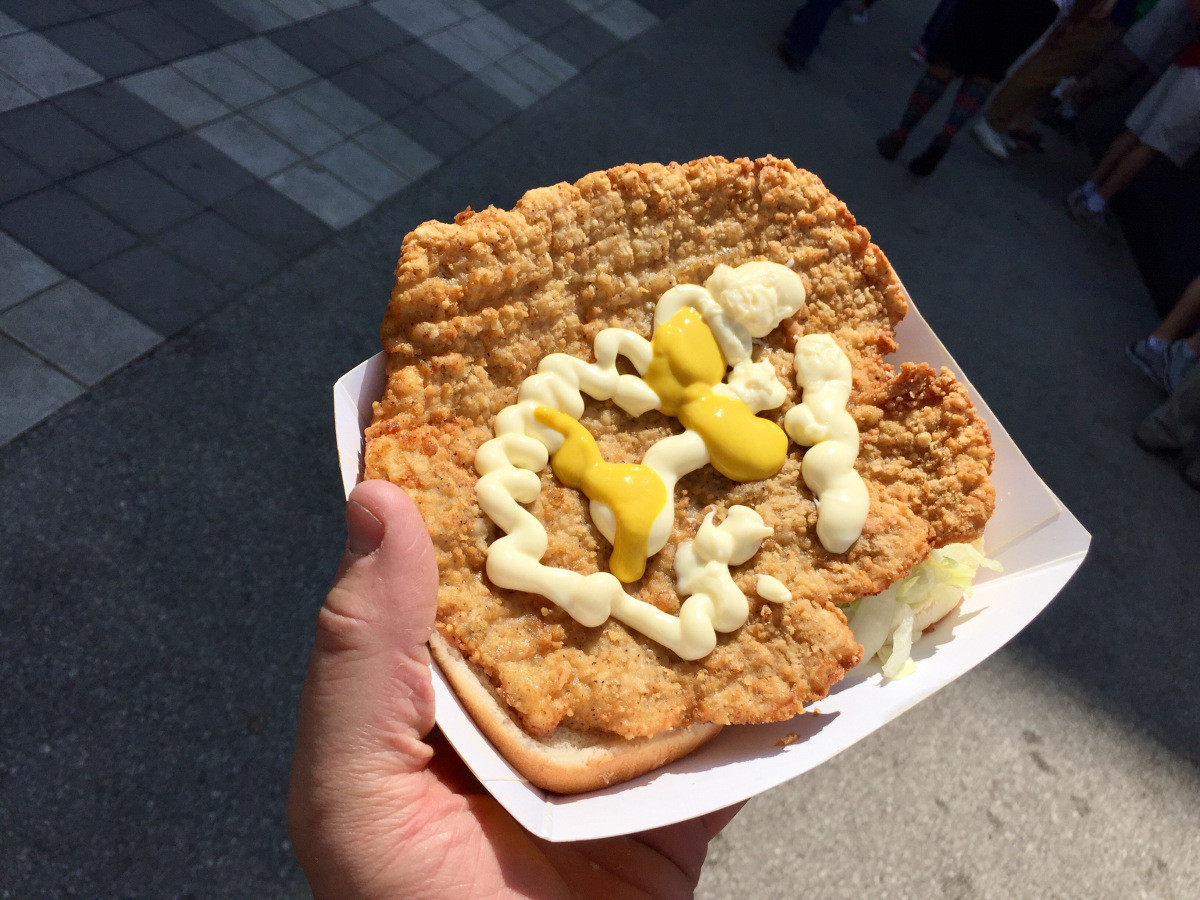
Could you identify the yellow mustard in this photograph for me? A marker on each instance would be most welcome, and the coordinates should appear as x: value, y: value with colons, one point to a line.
x: 633, y: 492
x: 687, y: 364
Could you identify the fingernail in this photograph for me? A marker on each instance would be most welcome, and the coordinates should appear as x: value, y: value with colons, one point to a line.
x: 364, y: 532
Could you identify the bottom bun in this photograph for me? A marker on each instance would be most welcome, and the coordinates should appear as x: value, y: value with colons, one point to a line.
x: 567, y: 761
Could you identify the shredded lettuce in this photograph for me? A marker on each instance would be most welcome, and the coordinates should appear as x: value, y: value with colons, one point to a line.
x: 884, y: 624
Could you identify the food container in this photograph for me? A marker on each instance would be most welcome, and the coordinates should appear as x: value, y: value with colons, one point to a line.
x: 1034, y: 537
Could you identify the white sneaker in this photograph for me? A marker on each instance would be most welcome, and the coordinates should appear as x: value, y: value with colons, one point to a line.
x: 989, y: 139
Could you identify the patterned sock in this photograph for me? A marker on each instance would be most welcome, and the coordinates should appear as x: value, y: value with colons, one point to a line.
x: 968, y: 101
x: 927, y: 92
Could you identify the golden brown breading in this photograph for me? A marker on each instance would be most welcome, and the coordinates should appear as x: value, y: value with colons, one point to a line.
x: 479, y: 303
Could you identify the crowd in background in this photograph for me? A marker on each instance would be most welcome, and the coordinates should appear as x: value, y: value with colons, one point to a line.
x: 1025, y: 59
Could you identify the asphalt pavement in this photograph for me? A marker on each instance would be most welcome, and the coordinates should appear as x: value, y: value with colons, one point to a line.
x: 168, y: 534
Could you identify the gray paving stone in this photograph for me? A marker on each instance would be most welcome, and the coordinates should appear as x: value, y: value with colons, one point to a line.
x: 624, y: 18
x: 225, y: 79
x: 530, y: 74
x: 65, y: 230
x: 426, y: 126
x: 333, y: 105
x: 248, y: 145
x: 228, y: 257
x: 270, y: 63
x: 155, y: 31
x: 297, y: 126
x: 360, y: 31
x: 407, y: 74
x: 9, y: 26
x: 505, y: 85
x: 154, y: 287
x: 536, y: 17
x: 94, y: 43
x: 204, y: 20
x: 316, y: 52
x: 463, y: 116
x: 52, y: 141
x: 581, y: 42
x: 362, y: 171
x: 42, y: 68
x: 78, y: 331
x: 549, y: 61
x: 30, y: 390
x: 169, y: 92
x: 491, y: 36
x: 22, y: 272
x: 43, y: 13
x: 125, y: 121
x: 258, y: 15
x: 420, y: 17
x: 481, y: 97
x: 273, y: 220
x: 20, y: 177
x: 13, y: 95
x: 371, y: 90
x: 198, y: 169
x: 458, y: 51
x: 322, y: 194
x: 134, y: 196
x: 399, y: 150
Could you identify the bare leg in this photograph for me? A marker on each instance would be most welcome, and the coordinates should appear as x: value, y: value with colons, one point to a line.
x: 1123, y: 143
x: 1183, y: 318
x: 1126, y: 169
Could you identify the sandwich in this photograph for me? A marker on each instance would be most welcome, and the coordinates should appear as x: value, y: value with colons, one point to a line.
x: 649, y: 423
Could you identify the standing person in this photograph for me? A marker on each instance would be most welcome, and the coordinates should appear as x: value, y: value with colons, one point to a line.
x: 1172, y: 349
x: 804, y: 31
x: 1160, y: 31
x: 978, y: 44
x: 1165, y: 123
x: 933, y: 27
x: 1070, y: 48
x: 1174, y: 427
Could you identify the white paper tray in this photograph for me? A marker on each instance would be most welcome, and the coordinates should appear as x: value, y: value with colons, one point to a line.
x: 1036, y: 539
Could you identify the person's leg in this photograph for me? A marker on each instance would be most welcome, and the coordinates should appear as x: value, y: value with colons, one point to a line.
x: 1183, y: 319
x: 1125, y: 169
x: 1174, y: 422
x: 806, y: 27
x: 925, y: 95
x: 972, y: 94
x: 941, y: 16
x: 1121, y: 145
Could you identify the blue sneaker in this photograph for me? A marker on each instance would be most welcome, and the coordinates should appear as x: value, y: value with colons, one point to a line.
x: 1151, y: 360
x: 1179, y: 361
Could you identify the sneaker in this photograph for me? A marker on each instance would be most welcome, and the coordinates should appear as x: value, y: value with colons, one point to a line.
x: 1179, y: 361
x: 858, y: 13
x: 1151, y: 360
x: 792, y: 60
x: 1154, y: 436
x: 918, y: 53
x: 925, y: 163
x: 890, y: 145
x: 989, y: 139
x: 1101, y: 222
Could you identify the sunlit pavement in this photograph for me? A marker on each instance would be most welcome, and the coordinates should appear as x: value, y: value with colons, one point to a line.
x: 173, y: 518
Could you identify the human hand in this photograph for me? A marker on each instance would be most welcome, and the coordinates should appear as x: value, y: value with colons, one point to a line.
x: 379, y: 805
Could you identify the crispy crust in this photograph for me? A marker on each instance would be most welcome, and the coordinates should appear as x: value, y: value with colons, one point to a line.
x: 570, y: 762
x: 478, y: 303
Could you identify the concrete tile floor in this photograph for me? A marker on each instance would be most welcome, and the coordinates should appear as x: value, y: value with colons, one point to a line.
x: 128, y: 127
x: 169, y: 536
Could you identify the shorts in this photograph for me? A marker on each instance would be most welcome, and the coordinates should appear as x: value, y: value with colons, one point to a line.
x: 1156, y: 39
x: 1168, y: 117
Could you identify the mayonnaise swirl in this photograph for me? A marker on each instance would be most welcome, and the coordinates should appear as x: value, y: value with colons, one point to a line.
x: 699, y: 333
x: 821, y: 423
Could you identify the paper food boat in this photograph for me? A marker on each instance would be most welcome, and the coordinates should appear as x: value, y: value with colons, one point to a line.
x: 1036, y: 539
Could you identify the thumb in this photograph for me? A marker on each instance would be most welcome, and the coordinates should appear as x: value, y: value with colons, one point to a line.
x: 367, y: 700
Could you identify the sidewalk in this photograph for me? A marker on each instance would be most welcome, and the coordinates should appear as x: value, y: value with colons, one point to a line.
x: 168, y: 535
x: 203, y: 146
